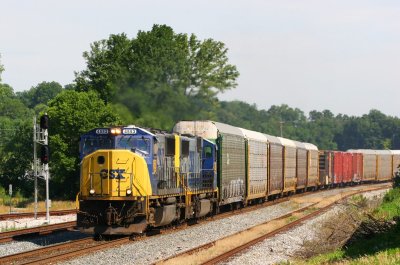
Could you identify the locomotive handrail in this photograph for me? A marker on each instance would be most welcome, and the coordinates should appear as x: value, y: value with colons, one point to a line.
x: 119, y: 185
x: 132, y: 175
x: 91, y: 173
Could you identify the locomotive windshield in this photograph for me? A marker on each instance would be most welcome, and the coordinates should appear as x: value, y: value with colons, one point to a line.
x: 92, y: 143
x: 138, y: 144
x: 134, y: 139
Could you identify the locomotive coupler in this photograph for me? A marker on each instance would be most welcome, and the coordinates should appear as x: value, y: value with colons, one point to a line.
x: 111, y: 215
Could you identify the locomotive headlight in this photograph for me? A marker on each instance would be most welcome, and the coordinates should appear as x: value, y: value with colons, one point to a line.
x: 128, y: 192
x: 115, y: 131
x: 91, y: 191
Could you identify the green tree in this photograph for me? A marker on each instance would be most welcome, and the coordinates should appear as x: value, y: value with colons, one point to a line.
x: 160, y: 76
x: 16, y: 157
x: 322, y: 128
x: 374, y: 130
x: 291, y: 120
x: 15, y: 140
x: 40, y: 94
x: 71, y: 114
x: 241, y: 114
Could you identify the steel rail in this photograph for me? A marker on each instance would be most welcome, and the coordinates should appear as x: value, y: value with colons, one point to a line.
x: 45, y: 229
x: 82, y: 250
x: 68, y: 251
x: 27, y: 255
x: 284, y: 228
x: 23, y: 215
x: 224, y: 256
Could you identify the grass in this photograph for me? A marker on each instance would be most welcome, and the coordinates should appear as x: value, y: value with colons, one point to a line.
x: 390, y: 206
x: 383, y: 248
x: 292, y: 219
x: 30, y: 207
x: 21, y: 204
x: 390, y: 256
x: 310, y: 210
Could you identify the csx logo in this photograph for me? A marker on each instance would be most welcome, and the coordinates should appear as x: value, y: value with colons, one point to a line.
x: 112, y: 174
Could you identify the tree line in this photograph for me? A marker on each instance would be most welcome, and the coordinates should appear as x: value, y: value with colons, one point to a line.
x: 154, y: 80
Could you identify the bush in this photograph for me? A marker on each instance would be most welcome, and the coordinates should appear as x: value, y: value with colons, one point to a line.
x: 392, y: 195
x: 396, y: 181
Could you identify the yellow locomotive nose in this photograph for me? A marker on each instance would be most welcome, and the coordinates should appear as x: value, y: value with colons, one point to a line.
x: 114, y: 173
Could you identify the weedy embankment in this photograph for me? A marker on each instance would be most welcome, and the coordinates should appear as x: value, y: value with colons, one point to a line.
x: 364, y: 231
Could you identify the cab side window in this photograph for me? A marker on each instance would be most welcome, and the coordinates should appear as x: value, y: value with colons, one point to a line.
x: 208, y: 151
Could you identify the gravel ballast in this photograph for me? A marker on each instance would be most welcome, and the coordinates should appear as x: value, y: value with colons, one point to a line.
x: 283, y: 247
x: 36, y: 241
x: 163, y: 246
x: 160, y: 247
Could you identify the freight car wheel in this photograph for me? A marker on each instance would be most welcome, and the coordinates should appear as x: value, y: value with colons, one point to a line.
x: 135, y: 237
x: 98, y: 237
x: 235, y: 206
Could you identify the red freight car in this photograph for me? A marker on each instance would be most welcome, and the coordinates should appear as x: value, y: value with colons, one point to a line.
x: 337, y: 167
x: 347, y: 167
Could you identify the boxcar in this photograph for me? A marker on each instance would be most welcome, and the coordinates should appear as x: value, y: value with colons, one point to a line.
x: 357, y: 167
x: 313, y: 161
x: 289, y: 164
x: 369, y: 163
x: 257, y: 164
x: 347, y: 167
x: 396, y: 161
x: 231, y: 161
x: 325, y: 167
x: 275, y: 154
x: 384, y: 165
x: 337, y: 167
x: 301, y: 169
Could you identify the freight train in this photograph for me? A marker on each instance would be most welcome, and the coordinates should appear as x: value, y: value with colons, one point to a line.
x: 133, y: 179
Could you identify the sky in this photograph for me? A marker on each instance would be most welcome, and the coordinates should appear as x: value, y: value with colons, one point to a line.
x: 340, y: 55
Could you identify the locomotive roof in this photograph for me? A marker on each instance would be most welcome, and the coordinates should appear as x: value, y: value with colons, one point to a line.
x: 125, y: 130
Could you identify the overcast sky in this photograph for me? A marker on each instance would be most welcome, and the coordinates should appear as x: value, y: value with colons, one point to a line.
x: 340, y: 55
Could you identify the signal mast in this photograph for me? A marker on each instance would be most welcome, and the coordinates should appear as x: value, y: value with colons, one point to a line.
x: 41, y: 167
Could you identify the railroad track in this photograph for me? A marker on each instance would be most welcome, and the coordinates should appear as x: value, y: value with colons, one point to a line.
x: 61, y: 251
x: 23, y: 215
x: 225, y: 248
x: 68, y: 250
x: 45, y: 229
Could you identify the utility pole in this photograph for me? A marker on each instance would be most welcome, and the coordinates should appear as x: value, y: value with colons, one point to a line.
x: 281, y: 126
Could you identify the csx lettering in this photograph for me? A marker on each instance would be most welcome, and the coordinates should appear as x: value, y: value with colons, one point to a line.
x: 112, y: 174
